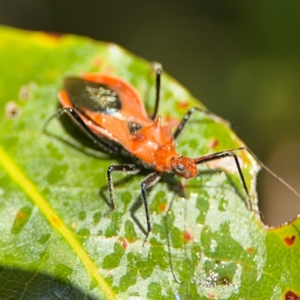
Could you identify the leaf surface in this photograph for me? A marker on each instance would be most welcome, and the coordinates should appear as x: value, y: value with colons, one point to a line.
x: 56, y: 238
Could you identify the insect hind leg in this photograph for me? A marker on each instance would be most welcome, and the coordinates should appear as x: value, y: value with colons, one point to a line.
x: 72, y: 113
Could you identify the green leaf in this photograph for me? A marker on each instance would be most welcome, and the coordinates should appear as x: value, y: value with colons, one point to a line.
x: 56, y: 238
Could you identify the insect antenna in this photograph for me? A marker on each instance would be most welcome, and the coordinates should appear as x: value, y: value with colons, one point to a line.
x: 169, y: 241
x: 270, y: 171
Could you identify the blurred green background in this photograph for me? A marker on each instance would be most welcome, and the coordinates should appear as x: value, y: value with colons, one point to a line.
x: 241, y: 58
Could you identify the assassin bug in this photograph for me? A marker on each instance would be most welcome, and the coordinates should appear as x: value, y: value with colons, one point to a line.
x: 111, y: 113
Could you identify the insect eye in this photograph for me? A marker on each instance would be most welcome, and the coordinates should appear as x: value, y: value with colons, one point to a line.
x: 179, y: 168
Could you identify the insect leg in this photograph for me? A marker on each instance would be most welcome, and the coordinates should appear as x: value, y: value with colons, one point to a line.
x: 227, y: 153
x: 158, y: 70
x: 129, y: 169
x: 222, y: 154
x: 201, y: 110
x: 149, y: 181
x: 71, y: 112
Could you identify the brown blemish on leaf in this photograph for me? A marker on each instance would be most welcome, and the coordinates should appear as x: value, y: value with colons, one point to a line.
x: 250, y: 250
x: 291, y: 296
x: 12, y: 110
x: 162, y: 207
x: 21, y: 219
x: 20, y: 215
x: 213, y: 144
x: 124, y: 243
x: 188, y: 236
x: 183, y: 105
x: 25, y: 90
x: 290, y: 240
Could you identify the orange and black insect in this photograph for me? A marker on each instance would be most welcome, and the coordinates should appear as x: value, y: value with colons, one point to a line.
x: 112, y: 114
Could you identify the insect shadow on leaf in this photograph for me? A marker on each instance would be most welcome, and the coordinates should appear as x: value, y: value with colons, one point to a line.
x: 178, y: 192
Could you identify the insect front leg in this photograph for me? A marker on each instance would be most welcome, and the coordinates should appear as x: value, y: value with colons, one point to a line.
x: 128, y: 169
x: 229, y: 153
x: 149, y: 181
x: 187, y: 116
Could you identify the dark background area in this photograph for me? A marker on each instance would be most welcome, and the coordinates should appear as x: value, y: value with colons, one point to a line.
x: 240, y: 58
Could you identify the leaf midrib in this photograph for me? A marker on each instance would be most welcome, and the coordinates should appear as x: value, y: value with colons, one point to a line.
x: 56, y: 222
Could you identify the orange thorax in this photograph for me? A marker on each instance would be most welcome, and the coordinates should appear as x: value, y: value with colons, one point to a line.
x: 154, y: 145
